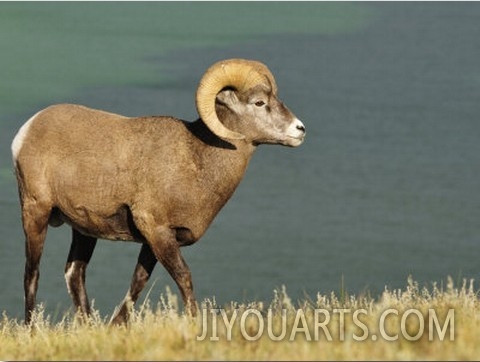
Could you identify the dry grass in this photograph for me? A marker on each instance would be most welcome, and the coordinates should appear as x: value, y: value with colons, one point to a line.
x: 164, y: 333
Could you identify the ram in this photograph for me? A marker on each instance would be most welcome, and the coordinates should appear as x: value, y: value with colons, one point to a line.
x: 158, y: 180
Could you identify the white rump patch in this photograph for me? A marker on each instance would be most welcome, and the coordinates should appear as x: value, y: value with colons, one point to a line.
x: 20, y: 137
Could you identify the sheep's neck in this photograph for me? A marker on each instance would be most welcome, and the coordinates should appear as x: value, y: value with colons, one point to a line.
x: 221, y: 164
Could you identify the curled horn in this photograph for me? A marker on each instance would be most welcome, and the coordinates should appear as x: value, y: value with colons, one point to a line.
x: 239, y: 74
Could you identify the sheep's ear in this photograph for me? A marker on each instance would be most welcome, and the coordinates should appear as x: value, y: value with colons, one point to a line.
x: 228, y: 98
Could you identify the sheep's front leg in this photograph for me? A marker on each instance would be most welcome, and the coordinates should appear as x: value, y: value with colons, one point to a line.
x: 167, y: 250
x: 163, y: 247
x: 143, y: 271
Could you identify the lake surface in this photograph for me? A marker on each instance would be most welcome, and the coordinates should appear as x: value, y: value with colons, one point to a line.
x: 386, y: 185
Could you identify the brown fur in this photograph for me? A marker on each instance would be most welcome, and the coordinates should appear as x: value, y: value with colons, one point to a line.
x: 158, y: 181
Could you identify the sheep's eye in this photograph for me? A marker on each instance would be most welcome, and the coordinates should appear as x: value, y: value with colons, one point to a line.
x: 259, y: 103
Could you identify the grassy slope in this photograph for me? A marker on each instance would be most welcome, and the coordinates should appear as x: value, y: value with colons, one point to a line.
x: 165, y: 334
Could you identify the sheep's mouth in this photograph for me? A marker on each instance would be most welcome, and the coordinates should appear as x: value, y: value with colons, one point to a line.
x: 297, y: 138
x: 294, y: 141
x: 301, y: 137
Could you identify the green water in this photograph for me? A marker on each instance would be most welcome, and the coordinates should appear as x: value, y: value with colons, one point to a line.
x: 386, y: 184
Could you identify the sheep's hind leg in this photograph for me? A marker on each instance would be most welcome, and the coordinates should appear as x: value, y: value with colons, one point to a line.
x: 35, y: 224
x: 143, y: 271
x: 81, y: 251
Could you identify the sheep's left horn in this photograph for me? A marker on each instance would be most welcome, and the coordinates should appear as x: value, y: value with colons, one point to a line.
x: 239, y: 74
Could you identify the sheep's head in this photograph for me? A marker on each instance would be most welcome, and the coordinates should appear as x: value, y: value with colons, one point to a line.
x: 246, y: 91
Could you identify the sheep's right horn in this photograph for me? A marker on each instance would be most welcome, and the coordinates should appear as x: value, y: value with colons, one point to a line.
x: 239, y: 74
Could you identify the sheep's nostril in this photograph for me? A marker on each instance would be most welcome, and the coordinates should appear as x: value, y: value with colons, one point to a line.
x: 301, y: 128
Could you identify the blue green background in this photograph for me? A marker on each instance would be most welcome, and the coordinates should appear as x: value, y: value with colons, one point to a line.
x: 385, y: 186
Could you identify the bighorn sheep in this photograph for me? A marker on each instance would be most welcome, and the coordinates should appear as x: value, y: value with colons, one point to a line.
x: 156, y: 180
